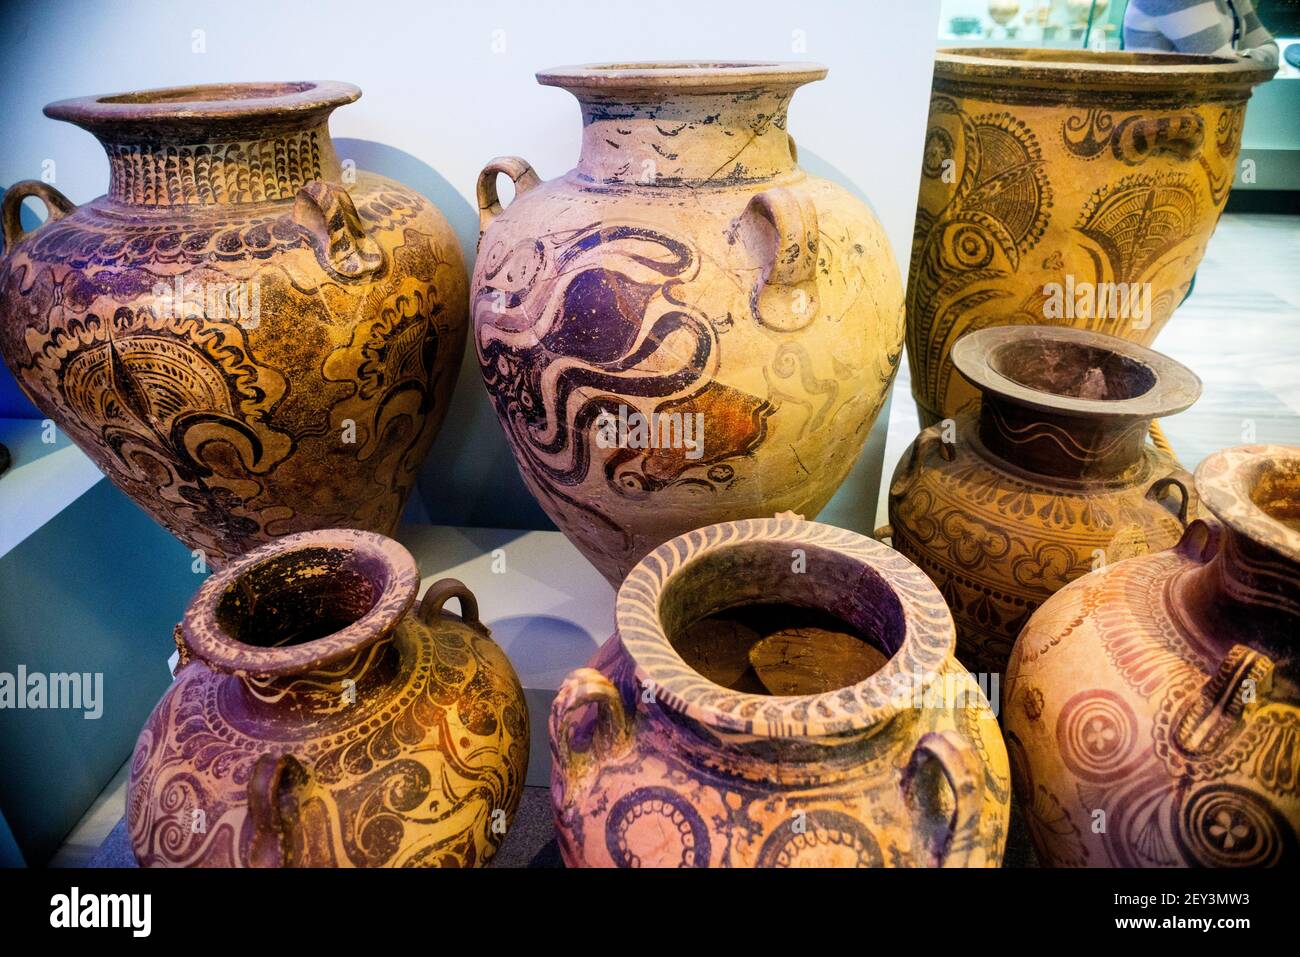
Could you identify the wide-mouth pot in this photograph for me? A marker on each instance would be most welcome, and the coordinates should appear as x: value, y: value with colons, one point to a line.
x: 732, y: 564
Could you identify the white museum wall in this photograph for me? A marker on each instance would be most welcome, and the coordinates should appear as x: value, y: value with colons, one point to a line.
x: 449, y: 85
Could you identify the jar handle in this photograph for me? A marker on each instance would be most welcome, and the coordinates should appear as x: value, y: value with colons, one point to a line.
x: 785, y: 298
x: 884, y: 534
x: 1243, y: 680
x: 961, y: 767
x: 1179, y: 480
x: 489, y: 203
x: 441, y: 592
x: 56, y: 207
x: 1200, y: 541
x: 612, y: 734
x: 273, y: 803
x: 329, y: 216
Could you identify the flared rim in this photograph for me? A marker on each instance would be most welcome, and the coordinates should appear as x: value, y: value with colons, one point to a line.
x: 668, y: 75
x: 1174, y: 387
x: 210, y: 102
x: 388, y: 566
x: 927, y: 641
x: 1072, y: 69
x: 1246, y: 487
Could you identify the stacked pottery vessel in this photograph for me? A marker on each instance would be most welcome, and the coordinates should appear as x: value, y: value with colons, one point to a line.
x: 1096, y: 172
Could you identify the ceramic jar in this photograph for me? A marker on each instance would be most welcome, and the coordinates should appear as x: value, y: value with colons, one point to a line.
x: 1160, y: 695
x: 686, y: 327
x: 1049, y: 478
x: 1065, y: 187
x: 249, y: 336
x: 318, y: 720
x: 656, y: 764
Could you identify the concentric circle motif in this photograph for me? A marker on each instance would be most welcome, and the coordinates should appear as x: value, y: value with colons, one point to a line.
x: 820, y: 838
x: 1097, y: 732
x: 1223, y: 825
x: 658, y: 819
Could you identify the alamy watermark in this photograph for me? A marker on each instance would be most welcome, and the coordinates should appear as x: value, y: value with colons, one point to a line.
x: 1098, y: 300
x: 946, y: 690
x: 629, y: 429
x: 75, y: 909
x: 62, y: 690
x: 238, y: 302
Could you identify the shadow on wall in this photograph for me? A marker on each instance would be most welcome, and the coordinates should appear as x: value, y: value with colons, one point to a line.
x: 469, y: 477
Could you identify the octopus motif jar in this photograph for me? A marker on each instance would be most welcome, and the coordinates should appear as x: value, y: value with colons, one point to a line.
x: 686, y: 327
x: 247, y: 335
x: 1159, y: 696
x: 656, y: 764
x: 1049, y: 478
x: 317, y: 721
x: 1067, y: 187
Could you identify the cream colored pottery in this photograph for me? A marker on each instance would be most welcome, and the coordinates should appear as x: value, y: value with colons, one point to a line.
x: 687, y: 271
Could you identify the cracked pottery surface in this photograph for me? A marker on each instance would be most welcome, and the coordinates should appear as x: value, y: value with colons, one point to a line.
x: 686, y: 268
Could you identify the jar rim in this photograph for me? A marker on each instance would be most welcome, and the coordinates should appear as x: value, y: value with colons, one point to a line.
x: 1230, y: 482
x: 928, y: 638
x: 1069, y: 70
x: 389, y: 566
x: 669, y: 76
x: 1174, y: 388
x: 207, y: 104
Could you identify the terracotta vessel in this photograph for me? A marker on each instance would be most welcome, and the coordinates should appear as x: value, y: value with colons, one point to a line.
x: 687, y: 277
x: 657, y: 764
x: 247, y: 335
x: 1068, y: 188
x: 1049, y: 478
x: 318, y: 720
x: 1160, y: 696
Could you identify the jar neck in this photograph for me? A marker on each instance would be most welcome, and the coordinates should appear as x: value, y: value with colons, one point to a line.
x: 252, y: 164
x: 1073, y: 447
x: 695, y: 139
x: 328, y: 689
x: 1246, y: 594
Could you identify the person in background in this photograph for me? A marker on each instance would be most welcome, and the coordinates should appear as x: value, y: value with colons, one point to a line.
x: 1214, y: 27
